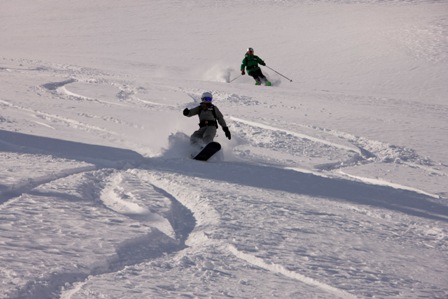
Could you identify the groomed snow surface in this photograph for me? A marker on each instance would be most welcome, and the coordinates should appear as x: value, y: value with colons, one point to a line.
x: 333, y: 185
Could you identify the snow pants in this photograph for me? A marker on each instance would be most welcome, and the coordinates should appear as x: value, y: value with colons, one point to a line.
x: 258, y: 76
x: 204, y: 135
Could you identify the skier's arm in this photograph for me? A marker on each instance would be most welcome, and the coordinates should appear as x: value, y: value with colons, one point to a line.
x: 243, y: 66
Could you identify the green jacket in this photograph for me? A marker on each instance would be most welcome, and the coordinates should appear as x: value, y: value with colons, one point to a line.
x: 250, y: 62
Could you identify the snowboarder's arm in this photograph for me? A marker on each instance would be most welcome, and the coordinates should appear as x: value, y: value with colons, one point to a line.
x: 222, y: 122
x: 190, y: 112
x: 227, y: 132
x: 220, y: 118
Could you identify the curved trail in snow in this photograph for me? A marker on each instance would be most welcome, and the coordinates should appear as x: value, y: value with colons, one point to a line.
x: 361, y: 158
x: 206, y: 214
x: 337, y: 293
x: 303, y: 136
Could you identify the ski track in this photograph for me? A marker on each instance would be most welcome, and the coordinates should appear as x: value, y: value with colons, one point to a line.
x: 335, y: 292
x: 378, y: 182
x: 52, y: 117
x: 303, y: 136
x: 363, y: 158
x: 166, y: 237
x: 25, y: 187
x: 207, y: 215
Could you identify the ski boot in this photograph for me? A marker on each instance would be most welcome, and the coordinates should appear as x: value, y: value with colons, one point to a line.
x: 257, y: 83
x: 268, y: 83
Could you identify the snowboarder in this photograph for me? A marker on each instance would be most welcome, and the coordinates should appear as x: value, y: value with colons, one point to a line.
x: 209, y: 117
x: 251, y: 62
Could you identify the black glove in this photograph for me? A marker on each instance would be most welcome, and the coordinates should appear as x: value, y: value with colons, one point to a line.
x: 186, y: 111
x: 227, y: 132
x: 262, y: 63
x: 243, y: 72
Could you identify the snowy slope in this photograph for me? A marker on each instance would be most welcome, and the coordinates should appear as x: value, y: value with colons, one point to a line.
x: 332, y: 186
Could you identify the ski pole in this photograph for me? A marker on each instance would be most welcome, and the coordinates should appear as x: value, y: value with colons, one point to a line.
x: 278, y: 73
x: 235, y: 78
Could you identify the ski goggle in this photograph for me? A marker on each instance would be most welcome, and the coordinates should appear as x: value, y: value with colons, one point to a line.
x: 207, y: 99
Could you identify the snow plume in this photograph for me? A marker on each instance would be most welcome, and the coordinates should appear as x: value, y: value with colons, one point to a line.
x: 178, y: 146
x: 220, y: 73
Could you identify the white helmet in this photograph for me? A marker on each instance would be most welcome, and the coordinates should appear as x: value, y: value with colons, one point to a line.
x: 207, y: 97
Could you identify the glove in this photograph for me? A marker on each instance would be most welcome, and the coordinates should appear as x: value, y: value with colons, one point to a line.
x: 227, y: 132
x: 262, y: 63
x: 243, y: 72
x: 186, y: 111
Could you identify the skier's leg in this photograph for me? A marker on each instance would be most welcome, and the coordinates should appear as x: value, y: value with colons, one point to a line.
x: 256, y: 78
x: 264, y: 79
x: 260, y: 76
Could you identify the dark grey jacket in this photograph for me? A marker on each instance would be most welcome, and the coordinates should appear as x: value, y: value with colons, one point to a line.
x: 205, y: 112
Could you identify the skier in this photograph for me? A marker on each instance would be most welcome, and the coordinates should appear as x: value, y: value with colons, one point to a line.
x: 209, y: 117
x: 251, y: 62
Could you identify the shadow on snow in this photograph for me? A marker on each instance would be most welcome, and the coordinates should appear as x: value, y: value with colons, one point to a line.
x: 95, y: 154
x: 263, y: 177
x: 285, y: 180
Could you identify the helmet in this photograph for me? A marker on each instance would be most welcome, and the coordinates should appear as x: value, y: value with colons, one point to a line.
x: 250, y: 49
x: 207, y: 97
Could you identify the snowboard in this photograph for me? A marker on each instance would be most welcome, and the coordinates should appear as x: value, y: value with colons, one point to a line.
x: 208, y: 151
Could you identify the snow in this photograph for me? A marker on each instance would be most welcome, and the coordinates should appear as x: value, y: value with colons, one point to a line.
x: 333, y: 185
